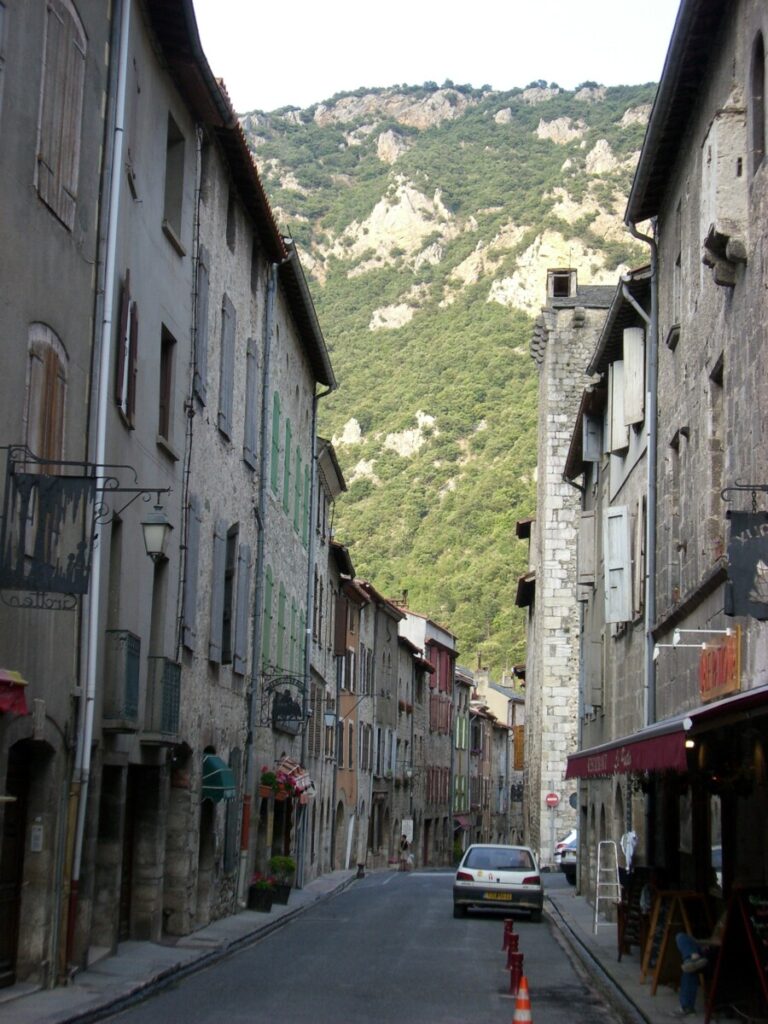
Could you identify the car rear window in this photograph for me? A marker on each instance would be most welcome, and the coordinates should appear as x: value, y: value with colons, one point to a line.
x: 499, y: 860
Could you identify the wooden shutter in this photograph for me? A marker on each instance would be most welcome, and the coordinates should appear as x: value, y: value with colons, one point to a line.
x: 189, y: 612
x: 249, y: 430
x: 266, y: 635
x: 275, y: 464
x: 123, y: 347
x: 200, y: 383
x: 287, y: 466
x: 634, y: 375
x: 586, y: 549
x: 133, y: 359
x: 240, y: 657
x: 619, y: 434
x: 217, y: 590
x: 519, y: 735
x: 340, y: 627
x: 616, y: 555
x: 297, y: 487
x: 591, y: 438
x: 226, y: 380
x: 306, y: 511
x: 638, y: 559
x: 58, y: 157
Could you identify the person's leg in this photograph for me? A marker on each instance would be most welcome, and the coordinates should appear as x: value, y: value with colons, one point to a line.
x: 689, y: 983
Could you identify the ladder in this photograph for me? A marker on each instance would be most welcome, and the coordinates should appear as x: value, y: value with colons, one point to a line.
x: 607, y: 885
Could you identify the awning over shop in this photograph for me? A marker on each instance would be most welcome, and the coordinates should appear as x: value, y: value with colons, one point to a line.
x: 218, y: 780
x: 658, y: 747
x: 661, y: 746
x: 461, y: 821
x: 13, y: 700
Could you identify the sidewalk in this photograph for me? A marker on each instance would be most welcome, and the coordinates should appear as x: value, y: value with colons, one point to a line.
x: 620, y: 981
x: 114, y: 982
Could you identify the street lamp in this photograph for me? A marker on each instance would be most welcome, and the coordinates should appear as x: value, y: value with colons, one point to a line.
x: 157, y: 529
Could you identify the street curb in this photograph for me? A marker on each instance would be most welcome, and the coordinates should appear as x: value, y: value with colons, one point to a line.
x: 171, y: 974
x: 630, y: 1012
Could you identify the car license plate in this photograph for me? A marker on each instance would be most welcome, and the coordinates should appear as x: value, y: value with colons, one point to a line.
x: 502, y: 896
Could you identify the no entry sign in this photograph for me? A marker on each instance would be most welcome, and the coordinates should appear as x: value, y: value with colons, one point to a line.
x: 552, y: 799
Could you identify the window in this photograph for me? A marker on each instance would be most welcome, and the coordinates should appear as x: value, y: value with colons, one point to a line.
x: 127, y: 354
x: 189, y: 608
x: 715, y: 520
x: 294, y: 637
x: 287, y: 467
x: 133, y: 94
x: 297, y: 488
x: 230, y: 568
x: 61, y: 105
x: 561, y: 284
x: 218, y: 590
x: 251, y: 405
x: 280, y: 654
x: 227, y: 367
x: 254, y: 266
x: 231, y: 221
x: 275, y: 465
x: 340, y: 743
x: 757, y: 102
x: 200, y: 379
x: 165, y: 402
x: 174, y: 184
x: 351, y: 747
x: 46, y: 392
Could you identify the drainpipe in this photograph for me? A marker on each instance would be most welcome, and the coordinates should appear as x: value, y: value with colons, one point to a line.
x: 258, y: 598
x: 651, y: 373
x: 302, y: 825
x: 93, y: 626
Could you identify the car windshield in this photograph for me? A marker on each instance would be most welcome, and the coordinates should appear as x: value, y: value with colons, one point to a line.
x: 484, y: 857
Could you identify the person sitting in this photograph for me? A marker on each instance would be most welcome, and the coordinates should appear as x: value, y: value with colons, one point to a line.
x: 696, y: 954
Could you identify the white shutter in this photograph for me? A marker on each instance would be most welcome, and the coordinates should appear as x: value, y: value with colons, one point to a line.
x: 189, y: 615
x: 217, y: 590
x: 240, y: 658
x: 586, y: 549
x: 249, y: 431
x: 619, y: 434
x: 591, y: 438
x: 634, y: 375
x: 616, y: 557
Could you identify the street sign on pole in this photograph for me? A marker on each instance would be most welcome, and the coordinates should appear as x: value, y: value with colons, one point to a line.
x: 552, y: 800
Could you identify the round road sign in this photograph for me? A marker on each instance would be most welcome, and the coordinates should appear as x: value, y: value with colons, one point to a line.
x: 552, y: 800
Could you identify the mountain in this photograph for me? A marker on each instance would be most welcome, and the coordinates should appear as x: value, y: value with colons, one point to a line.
x: 427, y: 217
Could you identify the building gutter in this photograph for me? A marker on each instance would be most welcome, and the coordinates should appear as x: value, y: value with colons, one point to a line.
x: 82, y: 770
x: 651, y: 383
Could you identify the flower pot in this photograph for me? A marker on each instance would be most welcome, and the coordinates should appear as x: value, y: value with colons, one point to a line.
x: 260, y: 899
x: 281, y: 893
x: 266, y: 791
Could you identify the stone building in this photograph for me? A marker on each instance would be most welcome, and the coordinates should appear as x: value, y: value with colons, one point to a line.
x: 563, y: 340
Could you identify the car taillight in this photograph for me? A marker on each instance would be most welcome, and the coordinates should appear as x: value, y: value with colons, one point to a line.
x: 464, y: 876
x: 532, y: 880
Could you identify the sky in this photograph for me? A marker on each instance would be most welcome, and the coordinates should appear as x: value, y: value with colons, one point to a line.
x: 272, y: 56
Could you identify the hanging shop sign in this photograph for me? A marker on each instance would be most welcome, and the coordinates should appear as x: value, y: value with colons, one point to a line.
x: 747, y: 592
x: 720, y: 667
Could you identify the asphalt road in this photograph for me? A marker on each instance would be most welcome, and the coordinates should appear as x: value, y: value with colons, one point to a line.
x: 387, y: 950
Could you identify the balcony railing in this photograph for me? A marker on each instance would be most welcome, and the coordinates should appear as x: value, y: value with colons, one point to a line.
x: 121, y: 678
x: 161, y: 711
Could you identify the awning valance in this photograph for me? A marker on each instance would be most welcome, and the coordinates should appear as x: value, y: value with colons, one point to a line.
x: 12, y: 698
x: 218, y: 779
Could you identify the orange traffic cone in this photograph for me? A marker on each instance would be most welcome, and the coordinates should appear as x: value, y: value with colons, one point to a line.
x: 522, y: 1004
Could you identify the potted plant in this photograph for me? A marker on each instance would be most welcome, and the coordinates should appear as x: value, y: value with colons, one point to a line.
x: 261, y: 892
x: 283, y: 869
x: 267, y: 782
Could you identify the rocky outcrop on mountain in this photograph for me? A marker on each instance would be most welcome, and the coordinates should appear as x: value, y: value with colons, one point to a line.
x: 411, y: 111
x: 562, y: 130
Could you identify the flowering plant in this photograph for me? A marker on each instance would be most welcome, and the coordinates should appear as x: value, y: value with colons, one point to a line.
x: 268, y: 778
x: 259, y: 881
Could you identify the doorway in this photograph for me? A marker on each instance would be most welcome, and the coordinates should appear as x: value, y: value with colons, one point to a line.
x: 12, y: 861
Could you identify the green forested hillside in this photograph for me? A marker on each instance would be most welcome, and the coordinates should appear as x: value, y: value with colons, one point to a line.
x: 427, y: 218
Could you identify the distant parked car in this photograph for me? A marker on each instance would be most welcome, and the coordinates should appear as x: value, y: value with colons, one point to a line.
x: 568, y: 839
x: 569, y: 858
x: 499, y: 877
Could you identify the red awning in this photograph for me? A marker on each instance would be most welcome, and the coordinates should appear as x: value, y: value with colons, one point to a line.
x: 461, y: 821
x: 12, y: 698
x: 659, y: 747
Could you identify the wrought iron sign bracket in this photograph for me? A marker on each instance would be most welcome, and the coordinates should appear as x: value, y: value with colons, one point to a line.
x: 739, y: 487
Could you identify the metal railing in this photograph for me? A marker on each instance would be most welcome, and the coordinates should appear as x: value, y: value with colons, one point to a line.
x: 121, y: 669
x: 161, y: 710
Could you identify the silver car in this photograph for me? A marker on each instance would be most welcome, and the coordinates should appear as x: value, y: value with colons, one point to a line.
x: 502, y: 877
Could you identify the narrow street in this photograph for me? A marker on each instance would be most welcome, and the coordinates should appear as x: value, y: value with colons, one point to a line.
x: 385, y: 950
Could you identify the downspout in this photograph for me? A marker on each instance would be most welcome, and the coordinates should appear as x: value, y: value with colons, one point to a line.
x: 302, y: 829
x: 82, y: 769
x: 651, y: 373
x: 258, y: 598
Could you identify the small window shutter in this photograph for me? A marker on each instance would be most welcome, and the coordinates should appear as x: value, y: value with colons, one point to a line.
x: 240, y: 659
x: 634, y: 375
x: 226, y: 382
x: 619, y: 433
x: 189, y: 614
x: 305, y: 516
x: 133, y: 360
x: 200, y: 384
x: 275, y: 456
x: 340, y: 627
x: 297, y: 490
x: 123, y: 346
x: 249, y: 432
x: 287, y: 467
x: 217, y: 590
x: 618, y: 575
x: 586, y: 549
x: 266, y: 634
x: 592, y: 438
x: 638, y: 566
